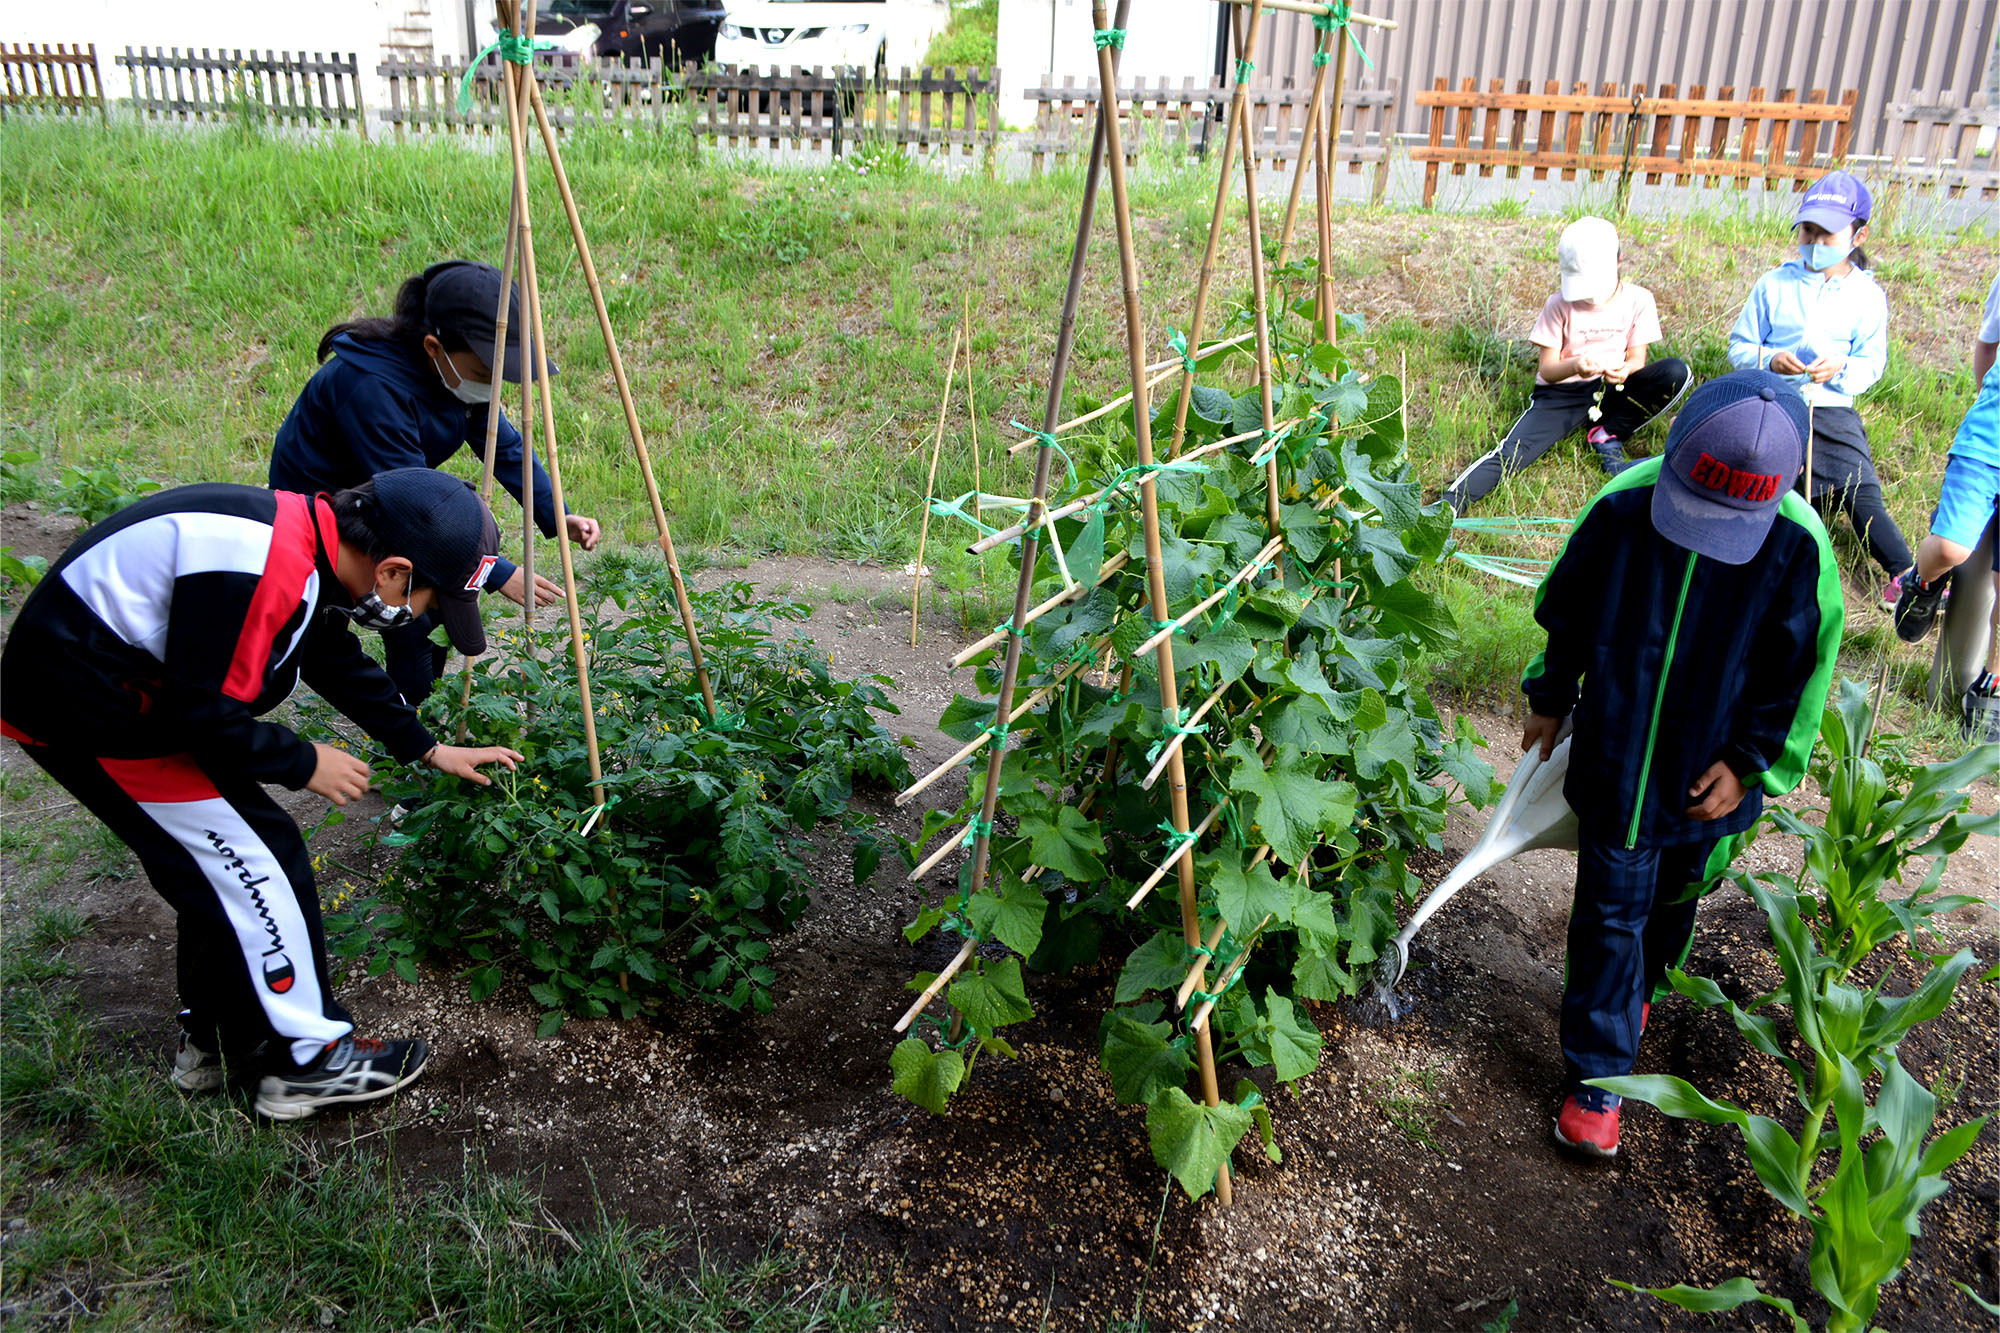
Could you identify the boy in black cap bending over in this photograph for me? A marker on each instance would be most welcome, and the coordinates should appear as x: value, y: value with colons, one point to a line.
x: 136, y: 674
x: 1698, y: 602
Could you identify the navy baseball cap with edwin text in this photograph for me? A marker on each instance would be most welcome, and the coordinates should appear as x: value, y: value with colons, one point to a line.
x: 1731, y: 456
x: 439, y: 524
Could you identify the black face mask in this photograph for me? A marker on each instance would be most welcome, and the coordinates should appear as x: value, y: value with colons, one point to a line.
x: 371, y: 612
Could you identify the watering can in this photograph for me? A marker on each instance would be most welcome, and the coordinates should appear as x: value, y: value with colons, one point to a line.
x: 1532, y: 813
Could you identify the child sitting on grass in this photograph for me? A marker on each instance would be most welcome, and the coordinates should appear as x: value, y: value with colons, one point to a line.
x: 1698, y: 604
x: 1593, y: 336
x: 1821, y: 321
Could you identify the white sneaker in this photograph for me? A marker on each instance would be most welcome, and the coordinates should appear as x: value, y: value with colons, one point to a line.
x: 353, y: 1069
x: 194, y: 1070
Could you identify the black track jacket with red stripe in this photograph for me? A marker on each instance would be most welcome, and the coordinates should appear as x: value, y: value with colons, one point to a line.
x: 173, y: 625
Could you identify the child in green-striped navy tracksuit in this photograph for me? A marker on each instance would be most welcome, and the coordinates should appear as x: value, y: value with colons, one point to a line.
x: 1692, y: 623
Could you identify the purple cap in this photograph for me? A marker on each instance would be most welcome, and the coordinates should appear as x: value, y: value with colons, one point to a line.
x: 1835, y: 201
x: 1731, y: 455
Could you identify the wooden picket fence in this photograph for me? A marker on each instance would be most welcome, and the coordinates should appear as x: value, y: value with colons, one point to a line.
x: 1687, y: 140
x: 1187, y: 115
x: 741, y: 106
x: 293, y: 88
x: 58, y: 80
x: 1936, y: 146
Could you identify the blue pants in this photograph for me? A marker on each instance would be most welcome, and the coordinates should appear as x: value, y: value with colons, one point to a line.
x: 1633, y: 919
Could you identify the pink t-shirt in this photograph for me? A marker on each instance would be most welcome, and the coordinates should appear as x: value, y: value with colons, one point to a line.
x: 1601, y: 331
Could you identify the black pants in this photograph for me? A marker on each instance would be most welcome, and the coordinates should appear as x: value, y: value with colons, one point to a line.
x: 412, y: 660
x: 1557, y: 411
x: 1633, y: 919
x: 252, y: 955
x: 1844, y: 482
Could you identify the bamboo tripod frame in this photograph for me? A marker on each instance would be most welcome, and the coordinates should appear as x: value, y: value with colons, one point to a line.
x: 523, y: 98
x: 1108, y: 159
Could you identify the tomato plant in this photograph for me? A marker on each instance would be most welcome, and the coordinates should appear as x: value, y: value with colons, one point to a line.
x: 1323, y: 761
x: 675, y: 887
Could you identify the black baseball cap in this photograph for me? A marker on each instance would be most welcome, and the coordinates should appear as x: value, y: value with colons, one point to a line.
x: 462, y: 296
x: 1731, y: 457
x: 439, y: 524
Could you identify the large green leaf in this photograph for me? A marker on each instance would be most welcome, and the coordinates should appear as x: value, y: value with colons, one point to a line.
x: 992, y: 997
x: 1191, y: 1140
x: 1212, y: 405
x: 1389, y: 744
x: 1245, y: 897
x: 1229, y: 648
x: 965, y: 718
x: 1070, y: 844
x: 1295, y: 1043
x: 1308, y: 723
x: 1410, y: 610
x: 1013, y: 915
x: 1400, y: 503
x: 1288, y: 804
x: 1724, y: 1296
x: 1141, y: 1058
x: 1316, y: 976
x: 926, y: 1077
x: 1160, y: 963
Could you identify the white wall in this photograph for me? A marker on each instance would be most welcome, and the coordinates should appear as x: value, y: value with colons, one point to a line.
x: 329, y: 26
x: 1175, y: 38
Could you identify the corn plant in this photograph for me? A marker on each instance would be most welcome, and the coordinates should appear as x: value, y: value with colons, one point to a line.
x: 1858, y: 1172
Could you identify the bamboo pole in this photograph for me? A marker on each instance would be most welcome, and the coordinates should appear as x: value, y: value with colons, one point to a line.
x: 938, y: 983
x: 1135, y: 347
x: 1260, y: 310
x: 1175, y: 857
x: 1158, y: 373
x: 1108, y: 571
x: 1200, y: 964
x: 1081, y: 502
x: 665, y: 536
x: 1309, y: 150
x: 532, y: 311
x: 1181, y: 621
x: 930, y: 485
x: 972, y: 417
x: 1199, y: 1023
x: 1237, y: 130
x: 1308, y: 7
x: 978, y: 743
x: 496, y: 383
x: 1327, y: 135
x: 1103, y: 148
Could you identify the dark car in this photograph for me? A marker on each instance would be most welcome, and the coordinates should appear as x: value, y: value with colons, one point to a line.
x: 681, y: 30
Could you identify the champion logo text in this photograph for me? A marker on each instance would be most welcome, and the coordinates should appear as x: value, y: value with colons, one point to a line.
x: 278, y: 970
x: 1712, y: 474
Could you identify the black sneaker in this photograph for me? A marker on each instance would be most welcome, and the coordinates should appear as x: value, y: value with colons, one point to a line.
x: 1980, y: 722
x: 1916, y: 605
x: 353, y: 1069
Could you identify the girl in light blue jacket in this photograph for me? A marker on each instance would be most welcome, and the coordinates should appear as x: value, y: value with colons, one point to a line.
x: 1822, y: 321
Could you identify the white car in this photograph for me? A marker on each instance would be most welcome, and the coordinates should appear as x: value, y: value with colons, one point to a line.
x: 877, y: 35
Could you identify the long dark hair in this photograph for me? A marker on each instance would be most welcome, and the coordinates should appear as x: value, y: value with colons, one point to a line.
x: 406, y: 327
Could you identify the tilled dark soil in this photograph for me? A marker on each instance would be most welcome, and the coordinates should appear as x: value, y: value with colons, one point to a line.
x: 1419, y: 1187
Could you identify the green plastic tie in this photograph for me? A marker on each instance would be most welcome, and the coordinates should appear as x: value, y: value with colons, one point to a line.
x: 1162, y: 626
x: 998, y: 731
x: 520, y: 50
x: 1195, y: 951
x: 1009, y: 627
x: 1178, y: 341
x: 1271, y: 439
x: 1341, y: 16
x: 719, y: 720
x: 975, y: 829
x: 1176, y: 838
x: 1201, y: 997
x: 1175, y: 729
x: 1321, y: 60
x: 1109, y: 37
x: 1048, y: 440
x: 1243, y: 68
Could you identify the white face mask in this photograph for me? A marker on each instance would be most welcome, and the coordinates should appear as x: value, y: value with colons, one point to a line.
x: 474, y: 392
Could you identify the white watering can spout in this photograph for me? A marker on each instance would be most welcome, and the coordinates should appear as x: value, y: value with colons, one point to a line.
x: 1532, y: 813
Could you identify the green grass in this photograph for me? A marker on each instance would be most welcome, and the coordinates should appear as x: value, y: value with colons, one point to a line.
x: 971, y: 40
x: 787, y: 330
x: 138, y: 1208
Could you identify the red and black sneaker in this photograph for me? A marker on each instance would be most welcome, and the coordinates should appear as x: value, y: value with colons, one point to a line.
x: 349, y: 1071
x: 1588, y: 1123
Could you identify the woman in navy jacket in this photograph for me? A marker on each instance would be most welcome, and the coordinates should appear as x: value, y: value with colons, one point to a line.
x: 410, y: 391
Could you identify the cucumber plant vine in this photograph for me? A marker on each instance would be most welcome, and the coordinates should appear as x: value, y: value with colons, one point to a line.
x: 1322, y: 763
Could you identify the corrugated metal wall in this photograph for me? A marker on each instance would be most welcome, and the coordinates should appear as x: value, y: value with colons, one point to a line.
x: 1891, y: 50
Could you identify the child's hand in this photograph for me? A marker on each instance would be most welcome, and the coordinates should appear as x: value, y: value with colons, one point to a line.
x: 1586, y: 367
x: 1717, y: 791
x: 1784, y: 363
x: 1617, y: 374
x: 1540, y: 729
x: 1826, y: 368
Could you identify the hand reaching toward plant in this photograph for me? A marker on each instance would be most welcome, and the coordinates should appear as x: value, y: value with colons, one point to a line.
x: 337, y: 775
x: 547, y: 593
x: 465, y: 761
